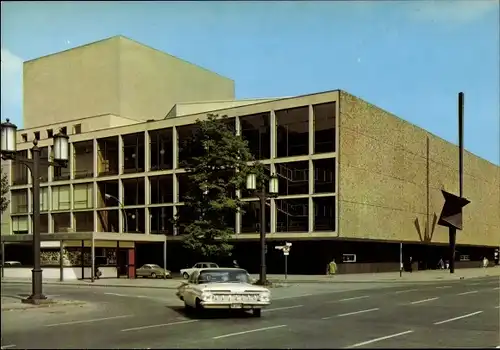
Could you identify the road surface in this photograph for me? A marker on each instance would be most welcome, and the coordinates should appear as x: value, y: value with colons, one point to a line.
x: 442, y: 314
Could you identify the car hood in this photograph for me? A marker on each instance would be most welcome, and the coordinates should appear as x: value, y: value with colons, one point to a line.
x: 232, y: 288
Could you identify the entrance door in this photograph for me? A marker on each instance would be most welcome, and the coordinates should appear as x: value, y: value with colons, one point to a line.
x: 122, y: 262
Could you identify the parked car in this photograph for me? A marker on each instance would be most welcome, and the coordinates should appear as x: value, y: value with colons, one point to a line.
x: 201, y: 265
x: 223, y: 288
x: 153, y: 271
x: 12, y: 264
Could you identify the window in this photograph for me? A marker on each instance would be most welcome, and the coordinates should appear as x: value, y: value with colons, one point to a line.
x: 50, y: 133
x: 64, y: 130
x: 349, y: 258
x: 24, y: 137
x: 37, y: 135
x: 77, y: 129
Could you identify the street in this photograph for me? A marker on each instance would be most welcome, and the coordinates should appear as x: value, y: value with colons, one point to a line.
x: 439, y: 314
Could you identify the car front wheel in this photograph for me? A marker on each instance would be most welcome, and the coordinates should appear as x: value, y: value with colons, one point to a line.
x: 185, y: 275
x: 153, y: 275
x: 257, y: 312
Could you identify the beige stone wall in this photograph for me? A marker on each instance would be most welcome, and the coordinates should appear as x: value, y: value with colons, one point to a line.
x: 72, y: 84
x: 152, y: 82
x: 114, y: 76
x: 390, y: 183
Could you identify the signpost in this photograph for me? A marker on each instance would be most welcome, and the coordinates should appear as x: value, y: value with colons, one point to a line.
x: 286, y: 251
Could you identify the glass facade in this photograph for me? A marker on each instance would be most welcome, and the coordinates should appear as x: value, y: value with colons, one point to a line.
x: 135, y: 183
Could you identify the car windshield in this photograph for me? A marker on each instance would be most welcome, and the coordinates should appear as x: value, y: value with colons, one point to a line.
x: 155, y: 267
x: 224, y: 276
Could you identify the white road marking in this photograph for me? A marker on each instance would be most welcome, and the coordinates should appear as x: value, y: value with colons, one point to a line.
x: 295, y: 296
x: 351, y: 313
x: 497, y: 307
x: 8, y: 346
x: 405, y: 291
x: 353, y: 298
x: 87, y: 321
x: 459, y: 317
x: 423, y: 301
x: 118, y: 295
x: 158, y: 325
x: 475, y: 284
x: 496, y: 288
x: 379, y: 339
x: 469, y: 292
x: 443, y: 287
x: 282, y: 308
x: 250, y: 331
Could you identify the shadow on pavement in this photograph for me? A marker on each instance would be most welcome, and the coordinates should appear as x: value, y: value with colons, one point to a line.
x: 210, y: 314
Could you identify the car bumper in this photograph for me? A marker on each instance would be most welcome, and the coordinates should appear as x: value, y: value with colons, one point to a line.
x: 235, y: 305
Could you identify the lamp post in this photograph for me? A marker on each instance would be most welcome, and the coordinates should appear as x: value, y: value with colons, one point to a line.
x: 263, y: 195
x: 61, y: 155
x: 122, y: 207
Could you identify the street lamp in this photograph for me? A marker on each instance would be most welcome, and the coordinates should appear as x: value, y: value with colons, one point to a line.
x: 263, y: 195
x: 122, y: 207
x: 61, y: 155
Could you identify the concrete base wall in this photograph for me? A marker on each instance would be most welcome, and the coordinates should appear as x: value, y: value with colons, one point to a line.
x: 70, y: 273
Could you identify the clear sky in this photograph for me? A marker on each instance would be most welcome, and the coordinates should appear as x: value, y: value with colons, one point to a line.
x: 409, y: 57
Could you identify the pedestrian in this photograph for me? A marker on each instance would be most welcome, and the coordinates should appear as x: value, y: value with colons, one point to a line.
x: 332, y: 268
x: 441, y: 264
x: 411, y: 264
x: 485, y: 262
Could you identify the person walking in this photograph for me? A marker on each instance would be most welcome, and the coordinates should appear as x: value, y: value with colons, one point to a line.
x: 332, y: 268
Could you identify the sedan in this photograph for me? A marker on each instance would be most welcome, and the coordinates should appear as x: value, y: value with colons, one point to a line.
x: 153, y: 271
x: 223, y: 288
x: 201, y: 265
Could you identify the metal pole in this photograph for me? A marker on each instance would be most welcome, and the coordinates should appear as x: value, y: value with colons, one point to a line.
x: 61, y: 261
x: 400, y: 259
x: 453, y: 235
x: 461, y: 142
x: 263, y: 278
x: 165, y: 257
x: 125, y: 219
x: 3, y: 258
x: 92, y: 259
x: 36, y: 295
x: 286, y: 266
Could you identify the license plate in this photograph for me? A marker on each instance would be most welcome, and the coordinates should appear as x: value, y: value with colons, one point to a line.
x: 236, y: 306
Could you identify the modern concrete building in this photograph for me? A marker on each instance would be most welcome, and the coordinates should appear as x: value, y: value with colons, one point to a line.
x: 355, y: 181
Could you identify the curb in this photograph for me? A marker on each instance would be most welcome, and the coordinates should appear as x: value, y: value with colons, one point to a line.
x: 285, y: 282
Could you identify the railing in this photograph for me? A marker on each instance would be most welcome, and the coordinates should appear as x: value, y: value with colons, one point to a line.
x: 292, y: 175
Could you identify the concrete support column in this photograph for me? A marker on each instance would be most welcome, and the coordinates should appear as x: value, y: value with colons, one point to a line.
x: 147, y: 200
x: 72, y: 161
x: 311, y: 215
x: 95, y: 155
x: 273, y: 132
x: 121, y: 216
x: 311, y: 129
x: 120, y: 155
x: 147, y: 152
x: 94, y: 199
x: 175, y: 147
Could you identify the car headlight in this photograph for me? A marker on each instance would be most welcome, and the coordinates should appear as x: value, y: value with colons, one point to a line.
x: 205, y: 296
x: 264, y: 296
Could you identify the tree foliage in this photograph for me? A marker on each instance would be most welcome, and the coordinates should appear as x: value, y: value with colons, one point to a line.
x: 216, y: 161
x: 4, y: 190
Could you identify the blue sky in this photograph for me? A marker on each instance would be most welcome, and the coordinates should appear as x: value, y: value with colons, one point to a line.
x: 410, y: 57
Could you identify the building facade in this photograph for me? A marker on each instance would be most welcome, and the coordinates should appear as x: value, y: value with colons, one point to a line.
x: 354, y: 180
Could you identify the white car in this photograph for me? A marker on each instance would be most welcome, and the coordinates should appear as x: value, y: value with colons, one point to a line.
x: 201, y: 265
x: 223, y: 288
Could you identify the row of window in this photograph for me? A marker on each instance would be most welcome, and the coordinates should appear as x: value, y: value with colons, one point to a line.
x: 77, y: 129
x: 293, y: 180
x: 292, y: 215
x: 292, y: 139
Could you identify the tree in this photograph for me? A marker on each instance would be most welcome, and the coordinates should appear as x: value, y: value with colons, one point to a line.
x: 216, y: 161
x: 4, y: 190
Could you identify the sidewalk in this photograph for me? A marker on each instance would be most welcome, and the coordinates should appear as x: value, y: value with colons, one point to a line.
x: 383, y: 277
